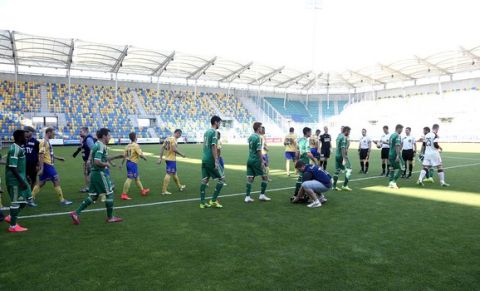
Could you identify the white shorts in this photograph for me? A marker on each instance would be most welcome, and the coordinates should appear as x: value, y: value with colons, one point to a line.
x: 316, y: 186
x: 432, y: 160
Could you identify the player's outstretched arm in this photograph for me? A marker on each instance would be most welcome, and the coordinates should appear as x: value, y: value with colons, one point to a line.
x: 161, y: 154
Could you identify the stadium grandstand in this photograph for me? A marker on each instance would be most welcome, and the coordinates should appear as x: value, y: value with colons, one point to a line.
x: 126, y: 88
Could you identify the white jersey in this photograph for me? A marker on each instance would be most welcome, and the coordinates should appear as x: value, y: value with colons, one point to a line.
x: 365, y: 142
x: 385, y: 140
x: 430, y: 140
x: 408, y: 142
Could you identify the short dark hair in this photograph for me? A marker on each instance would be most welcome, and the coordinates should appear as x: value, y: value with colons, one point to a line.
x: 398, y: 126
x: 178, y: 130
x: 346, y: 128
x: 385, y: 127
x: 132, y: 136
x: 435, y: 126
x: 18, y: 134
x: 364, y: 129
x: 318, y: 131
x: 29, y: 129
x: 306, y: 130
x: 256, y: 125
x: 102, y: 132
x: 48, y: 130
x: 214, y: 119
x: 426, y: 128
x: 408, y: 128
x: 292, y: 129
x: 299, y: 164
x: 84, y: 128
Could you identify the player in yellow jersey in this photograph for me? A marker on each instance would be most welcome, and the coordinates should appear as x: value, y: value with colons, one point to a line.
x: 132, y: 154
x: 290, y: 143
x: 314, y: 141
x: 47, y: 170
x: 169, y: 148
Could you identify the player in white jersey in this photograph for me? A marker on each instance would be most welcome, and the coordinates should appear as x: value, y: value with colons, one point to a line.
x: 364, y: 147
x: 409, y: 149
x: 432, y: 156
x: 384, y: 145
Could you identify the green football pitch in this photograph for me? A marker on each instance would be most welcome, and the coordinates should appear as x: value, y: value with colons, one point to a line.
x: 371, y: 238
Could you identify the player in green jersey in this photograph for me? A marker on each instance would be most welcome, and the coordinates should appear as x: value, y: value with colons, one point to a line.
x: 255, y: 165
x: 304, y: 154
x: 16, y: 180
x: 395, y: 160
x: 99, y: 182
x: 342, y: 162
x: 211, y: 165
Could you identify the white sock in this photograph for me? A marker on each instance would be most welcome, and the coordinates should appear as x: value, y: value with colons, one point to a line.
x: 422, y: 175
x: 441, y: 175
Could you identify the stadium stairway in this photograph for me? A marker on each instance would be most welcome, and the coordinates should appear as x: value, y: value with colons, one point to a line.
x: 138, y: 103
x: 43, y: 100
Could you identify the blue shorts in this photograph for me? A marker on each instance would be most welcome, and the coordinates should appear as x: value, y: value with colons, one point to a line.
x: 132, y: 170
x: 290, y: 155
x: 266, y: 161
x: 171, y: 167
x: 221, y: 162
x: 315, y: 153
x: 49, y: 173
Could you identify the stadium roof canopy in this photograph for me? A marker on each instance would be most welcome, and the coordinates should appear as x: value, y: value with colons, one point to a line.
x: 25, y: 53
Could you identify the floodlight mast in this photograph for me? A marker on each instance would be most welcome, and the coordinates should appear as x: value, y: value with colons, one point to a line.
x: 15, y: 58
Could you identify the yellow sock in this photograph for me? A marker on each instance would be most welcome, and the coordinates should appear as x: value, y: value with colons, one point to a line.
x: 35, y: 191
x: 59, y: 191
x: 166, y: 181
x: 177, y: 180
x: 126, y: 186
x: 139, y: 184
x: 287, y: 165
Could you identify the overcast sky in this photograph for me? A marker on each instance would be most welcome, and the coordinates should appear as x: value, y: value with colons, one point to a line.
x: 349, y: 33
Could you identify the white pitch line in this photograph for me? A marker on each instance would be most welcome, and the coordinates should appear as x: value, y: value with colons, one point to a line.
x: 196, y: 199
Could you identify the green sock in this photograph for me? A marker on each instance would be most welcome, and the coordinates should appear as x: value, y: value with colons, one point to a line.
x: 391, y: 176
x: 109, y: 205
x: 84, y: 205
x: 335, y: 179
x: 202, y: 192
x: 217, y: 190
x: 14, y: 210
x: 430, y: 172
x: 249, y: 188
x: 263, y: 187
x: 345, y: 183
x: 397, y: 174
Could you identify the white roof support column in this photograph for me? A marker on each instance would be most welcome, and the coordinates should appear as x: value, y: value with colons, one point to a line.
x: 118, y: 64
x: 235, y: 74
x: 264, y: 78
x: 70, y: 58
x: 470, y: 54
x: 293, y: 80
x: 163, y: 66
x: 14, y: 50
x: 430, y: 65
x: 366, y: 77
x: 393, y: 71
x: 198, y: 72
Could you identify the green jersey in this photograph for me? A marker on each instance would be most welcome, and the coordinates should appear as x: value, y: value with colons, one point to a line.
x: 254, y: 145
x: 393, y: 142
x: 15, y: 159
x: 304, y: 149
x: 99, y: 152
x: 209, y: 139
x: 342, y: 143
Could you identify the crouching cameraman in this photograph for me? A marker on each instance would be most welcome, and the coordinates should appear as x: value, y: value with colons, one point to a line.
x: 315, y: 182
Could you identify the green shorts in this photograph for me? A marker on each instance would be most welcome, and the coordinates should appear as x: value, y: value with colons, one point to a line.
x: 99, y: 184
x: 17, y: 195
x: 394, y: 164
x: 339, y: 164
x: 254, y: 169
x: 209, y: 171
